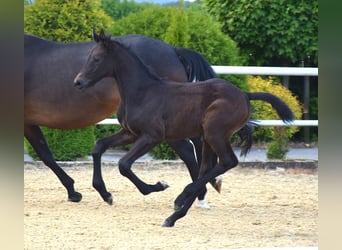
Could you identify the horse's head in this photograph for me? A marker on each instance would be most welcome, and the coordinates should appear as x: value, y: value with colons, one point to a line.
x: 98, y: 64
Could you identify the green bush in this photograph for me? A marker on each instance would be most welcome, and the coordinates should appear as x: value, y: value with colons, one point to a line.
x: 278, y: 148
x: 163, y: 151
x: 66, y: 145
x: 264, y: 111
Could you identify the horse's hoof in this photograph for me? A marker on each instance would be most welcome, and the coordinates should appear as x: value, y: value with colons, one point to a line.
x: 202, y: 204
x: 168, y: 223
x: 109, y: 200
x: 218, y: 184
x: 75, y: 197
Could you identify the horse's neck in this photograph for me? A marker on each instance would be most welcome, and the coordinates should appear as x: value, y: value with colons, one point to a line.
x: 133, y: 78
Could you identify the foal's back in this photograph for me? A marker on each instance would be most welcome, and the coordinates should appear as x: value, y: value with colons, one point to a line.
x: 188, y: 108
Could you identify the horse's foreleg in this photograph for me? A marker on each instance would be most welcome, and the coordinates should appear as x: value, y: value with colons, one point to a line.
x: 143, y: 145
x: 120, y: 138
x: 36, y: 138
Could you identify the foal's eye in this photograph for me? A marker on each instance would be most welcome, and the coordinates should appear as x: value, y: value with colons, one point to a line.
x: 96, y: 59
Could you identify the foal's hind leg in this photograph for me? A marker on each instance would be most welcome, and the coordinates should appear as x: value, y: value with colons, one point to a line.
x: 140, y: 147
x: 185, y: 150
x: 120, y: 138
x: 36, y: 138
x: 227, y: 159
x: 216, y: 182
x: 207, y: 163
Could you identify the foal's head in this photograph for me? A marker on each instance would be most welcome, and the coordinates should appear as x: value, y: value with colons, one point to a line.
x: 99, y: 63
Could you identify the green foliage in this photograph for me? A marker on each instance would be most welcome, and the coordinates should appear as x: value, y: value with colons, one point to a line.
x: 177, y: 32
x: 207, y: 38
x: 67, y: 145
x: 282, y: 32
x: 163, y: 151
x: 278, y: 148
x: 118, y: 9
x: 65, y: 20
x: 264, y: 111
x: 205, y: 35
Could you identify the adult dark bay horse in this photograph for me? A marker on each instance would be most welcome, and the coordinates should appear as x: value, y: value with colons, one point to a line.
x: 51, y: 100
x: 155, y: 110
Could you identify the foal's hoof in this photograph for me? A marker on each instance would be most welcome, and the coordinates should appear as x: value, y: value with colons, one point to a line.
x: 168, y: 223
x: 218, y: 184
x: 162, y: 185
x: 75, y: 197
x: 109, y: 199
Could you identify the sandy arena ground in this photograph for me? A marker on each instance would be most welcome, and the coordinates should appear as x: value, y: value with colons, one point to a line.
x: 269, y: 208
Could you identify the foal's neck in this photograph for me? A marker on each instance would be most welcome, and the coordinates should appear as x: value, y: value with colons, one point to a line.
x: 132, y: 75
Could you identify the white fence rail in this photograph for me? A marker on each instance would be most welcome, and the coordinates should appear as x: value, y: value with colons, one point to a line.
x: 250, y: 70
x: 270, y: 71
x: 111, y: 121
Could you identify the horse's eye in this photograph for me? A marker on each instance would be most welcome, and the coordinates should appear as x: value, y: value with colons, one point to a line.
x: 96, y: 59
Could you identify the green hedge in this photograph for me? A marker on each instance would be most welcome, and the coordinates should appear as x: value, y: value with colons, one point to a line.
x: 66, y: 145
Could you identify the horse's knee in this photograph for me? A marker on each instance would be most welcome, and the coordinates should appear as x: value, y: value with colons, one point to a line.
x: 124, y: 167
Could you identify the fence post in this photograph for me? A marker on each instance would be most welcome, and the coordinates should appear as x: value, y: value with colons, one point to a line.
x: 286, y: 81
x: 306, y: 107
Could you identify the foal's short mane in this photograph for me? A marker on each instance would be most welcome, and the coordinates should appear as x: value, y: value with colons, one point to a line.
x: 109, y: 45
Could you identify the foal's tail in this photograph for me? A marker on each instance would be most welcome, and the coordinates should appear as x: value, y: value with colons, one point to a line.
x: 196, y: 66
x: 246, y: 137
x: 281, y: 107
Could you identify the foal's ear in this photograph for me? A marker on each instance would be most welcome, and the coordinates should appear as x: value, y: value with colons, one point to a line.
x: 96, y: 37
x: 103, y: 37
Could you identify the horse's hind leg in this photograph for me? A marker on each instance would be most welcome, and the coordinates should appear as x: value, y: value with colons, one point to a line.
x: 140, y: 147
x: 36, y: 138
x: 120, y: 138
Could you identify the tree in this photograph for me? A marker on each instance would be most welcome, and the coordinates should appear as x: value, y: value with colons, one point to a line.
x: 177, y: 32
x: 65, y: 20
x: 205, y: 35
x: 118, y: 9
x: 277, y: 33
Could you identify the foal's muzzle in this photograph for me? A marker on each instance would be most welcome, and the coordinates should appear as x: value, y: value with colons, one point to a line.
x: 79, y: 83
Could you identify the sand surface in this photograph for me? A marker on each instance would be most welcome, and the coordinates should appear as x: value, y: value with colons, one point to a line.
x: 269, y: 208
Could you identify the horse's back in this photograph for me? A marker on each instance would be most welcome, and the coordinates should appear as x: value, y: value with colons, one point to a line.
x: 50, y: 99
x: 157, y: 55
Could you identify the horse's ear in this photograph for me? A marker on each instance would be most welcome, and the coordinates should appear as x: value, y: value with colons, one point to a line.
x: 95, y: 36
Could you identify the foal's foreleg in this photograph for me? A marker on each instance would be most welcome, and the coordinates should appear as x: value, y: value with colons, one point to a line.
x: 120, y: 138
x: 140, y: 147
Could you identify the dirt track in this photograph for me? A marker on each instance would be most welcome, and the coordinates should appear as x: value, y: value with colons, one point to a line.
x: 255, y: 208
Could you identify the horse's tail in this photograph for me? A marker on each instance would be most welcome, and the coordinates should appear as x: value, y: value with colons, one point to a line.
x: 196, y: 66
x: 281, y: 107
